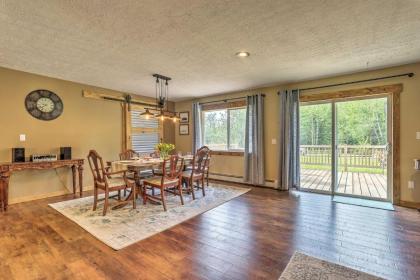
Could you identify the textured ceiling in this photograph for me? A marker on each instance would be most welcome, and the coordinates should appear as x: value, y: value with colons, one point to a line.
x: 119, y: 44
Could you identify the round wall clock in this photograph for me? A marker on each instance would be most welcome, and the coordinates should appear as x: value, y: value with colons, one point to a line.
x: 44, y: 104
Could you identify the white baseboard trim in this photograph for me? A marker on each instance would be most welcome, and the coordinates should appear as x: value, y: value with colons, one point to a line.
x: 237, y: 179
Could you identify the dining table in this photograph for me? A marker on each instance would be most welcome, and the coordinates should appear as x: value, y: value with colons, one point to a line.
x: 137, y: 166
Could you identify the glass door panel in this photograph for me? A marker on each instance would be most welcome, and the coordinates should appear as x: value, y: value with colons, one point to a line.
x: 362, y: 148
x: 315, y: 124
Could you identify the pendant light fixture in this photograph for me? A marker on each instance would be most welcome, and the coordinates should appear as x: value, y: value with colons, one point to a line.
x: 161, y: 115
x: 147, y: 114
x: 174, y: 118
x: 162, y: 99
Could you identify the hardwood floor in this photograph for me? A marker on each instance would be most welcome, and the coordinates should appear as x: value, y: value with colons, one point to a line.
x: 250, y: 237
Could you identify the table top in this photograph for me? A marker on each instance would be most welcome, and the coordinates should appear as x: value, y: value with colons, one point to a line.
x: 142, y: 162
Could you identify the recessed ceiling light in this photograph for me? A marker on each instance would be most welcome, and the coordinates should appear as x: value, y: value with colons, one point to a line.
x: 243, y: 54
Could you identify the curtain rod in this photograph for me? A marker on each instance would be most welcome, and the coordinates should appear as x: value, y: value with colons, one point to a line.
x: 360, y: 81
x: 225, y: 100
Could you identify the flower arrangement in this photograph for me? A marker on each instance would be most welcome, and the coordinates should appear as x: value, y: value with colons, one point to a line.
x: 164, y: 149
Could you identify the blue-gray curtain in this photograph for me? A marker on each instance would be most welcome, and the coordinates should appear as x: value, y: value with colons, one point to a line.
x: 196, y: 116
x: 289, y: 165
x: 254, y: 140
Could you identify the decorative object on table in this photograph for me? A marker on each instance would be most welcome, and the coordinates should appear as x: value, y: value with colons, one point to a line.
x: 164, y: 149
x: 184, y: 117
x: 302, y: 266
x: 162, y: 99
x: 105, y: 181
x: 18, y: 154
x: 44, y: 104
x: 184, y: 129
x: 65, y: 153
x: 43, y: 158
x: 125, y: 226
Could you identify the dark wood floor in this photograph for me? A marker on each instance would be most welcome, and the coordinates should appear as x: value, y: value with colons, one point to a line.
x: 250, y: 237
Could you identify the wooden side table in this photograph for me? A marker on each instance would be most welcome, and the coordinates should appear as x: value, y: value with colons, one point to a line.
x: 6, y: 169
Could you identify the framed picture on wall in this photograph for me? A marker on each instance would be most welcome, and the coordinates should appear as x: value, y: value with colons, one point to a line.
x: 184, y: 129
x: 184, y: 117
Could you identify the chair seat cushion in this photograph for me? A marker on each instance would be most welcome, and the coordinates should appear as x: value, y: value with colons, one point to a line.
x: 118, y: 182
x: 187, y: 174
x: 158, y: 179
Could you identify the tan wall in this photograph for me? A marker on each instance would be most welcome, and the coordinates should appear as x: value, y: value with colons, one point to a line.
x: 85, y: 124
x: 410, y: 104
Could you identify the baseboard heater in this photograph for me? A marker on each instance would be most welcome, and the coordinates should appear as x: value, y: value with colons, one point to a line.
x: 237, y: 179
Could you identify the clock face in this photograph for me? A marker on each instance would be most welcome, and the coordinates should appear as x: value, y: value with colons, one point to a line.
x: 44, y: 104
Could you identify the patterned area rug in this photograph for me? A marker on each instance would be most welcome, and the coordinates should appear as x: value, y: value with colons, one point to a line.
x: 123, y: 227
x: 303, y: 267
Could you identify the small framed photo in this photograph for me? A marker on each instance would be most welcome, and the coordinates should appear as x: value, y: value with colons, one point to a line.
x: 184, y: 129
x: 184, y: 117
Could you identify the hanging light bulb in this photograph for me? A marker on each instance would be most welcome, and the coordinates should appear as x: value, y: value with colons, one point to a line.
x: 161, y: 115
x: 146, y: 114
x: 175, y: 118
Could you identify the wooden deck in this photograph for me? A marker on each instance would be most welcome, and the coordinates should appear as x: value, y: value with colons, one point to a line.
x: 365, y: 184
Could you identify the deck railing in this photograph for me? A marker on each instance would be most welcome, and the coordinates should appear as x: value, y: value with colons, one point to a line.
x: 349, y: 156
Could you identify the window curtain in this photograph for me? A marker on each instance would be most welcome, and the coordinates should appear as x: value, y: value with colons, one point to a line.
x: 289, y: 165
x: 254, y: 140
x: 196, y: 114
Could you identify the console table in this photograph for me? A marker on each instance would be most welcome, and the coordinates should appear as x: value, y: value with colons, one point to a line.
x: 6, y: 169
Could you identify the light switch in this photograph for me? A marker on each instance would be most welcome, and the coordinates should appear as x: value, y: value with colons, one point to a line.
x: 418, y: 135
x: 411, y: 184
x: 22, y: 137
x: 274, y: 141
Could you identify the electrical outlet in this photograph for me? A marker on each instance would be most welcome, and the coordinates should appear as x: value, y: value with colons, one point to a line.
x: 274, y: 141
x: 22, y: 137
x: 411, y: 184
x: 418, y: 135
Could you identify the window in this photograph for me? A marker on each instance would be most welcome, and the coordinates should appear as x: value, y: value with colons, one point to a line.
x: 145, y: 133
x: 224, y: 129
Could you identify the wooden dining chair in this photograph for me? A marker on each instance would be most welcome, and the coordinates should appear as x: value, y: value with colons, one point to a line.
x: 204, y: 149
x: 128, y: 154
x: 196, y: 173
x: 169, y: 181
x: 109, y: 182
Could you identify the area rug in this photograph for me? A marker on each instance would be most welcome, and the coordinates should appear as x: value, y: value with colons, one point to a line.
x: 123, y: 227
x: 303, y: 267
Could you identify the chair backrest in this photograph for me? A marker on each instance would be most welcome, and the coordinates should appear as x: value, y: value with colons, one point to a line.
x: 155, y: 154
x: 176, y: 165
x: 128, y: 154
x: 96, y: 166
x: 201, y: 159
x: 203, y: 149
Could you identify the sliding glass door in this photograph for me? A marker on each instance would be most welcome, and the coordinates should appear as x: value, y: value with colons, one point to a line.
x: 316, y: 157
x: 344, y: 147
x: 362, y: 148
